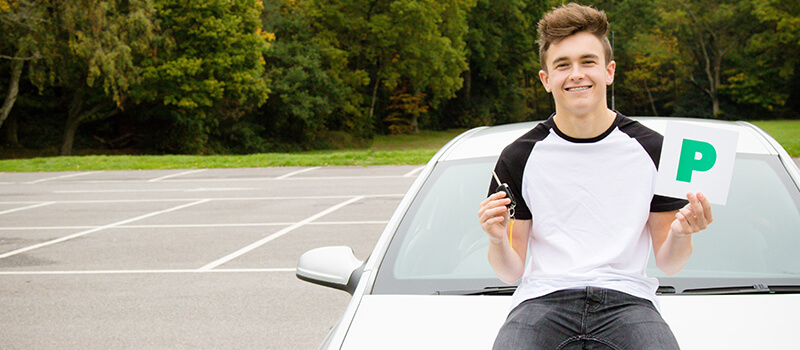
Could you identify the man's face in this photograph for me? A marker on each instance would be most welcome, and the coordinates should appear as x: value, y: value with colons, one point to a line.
x: 577, y: 74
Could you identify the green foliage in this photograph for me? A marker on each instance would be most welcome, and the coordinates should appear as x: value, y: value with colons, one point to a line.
x: 503, y: 81
x: 393, y: 41
x: 404, y: 111
x: 242, y: 76
x: 775, y: 49
x: 307, y: 92
x: 211, y: 50
x: 89, y: 53
x: 207, y: 65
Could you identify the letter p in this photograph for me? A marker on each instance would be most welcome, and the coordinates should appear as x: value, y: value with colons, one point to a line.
x: 695, y: 156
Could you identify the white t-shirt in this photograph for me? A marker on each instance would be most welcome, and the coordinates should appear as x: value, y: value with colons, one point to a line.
x: 589, y: 200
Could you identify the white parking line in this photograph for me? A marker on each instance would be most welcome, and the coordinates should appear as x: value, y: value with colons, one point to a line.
x: 123, y: 272
x: 414, y: 172
x: 256, y: 224
x: 295, y: 173
x: 176, y: 175
x: 26, y: 208
x: 243, y: 179
x: 278, y: 234
x: 199, y: 189
x: 156, y: 200
x: 83, y: 233
x: 58, y: 177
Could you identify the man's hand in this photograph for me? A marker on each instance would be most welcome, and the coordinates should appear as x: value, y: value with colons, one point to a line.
x: 508, y: 262
x: 694, y: 217
x: 493, y: 216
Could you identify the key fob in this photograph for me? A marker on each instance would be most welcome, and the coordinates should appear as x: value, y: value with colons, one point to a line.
x: 504, y: 187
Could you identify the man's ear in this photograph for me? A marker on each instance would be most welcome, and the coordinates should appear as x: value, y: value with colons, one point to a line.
x: 610, y: 70
x: 545, y: 79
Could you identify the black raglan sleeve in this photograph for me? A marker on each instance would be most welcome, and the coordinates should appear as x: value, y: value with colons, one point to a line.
x: 510, y: 168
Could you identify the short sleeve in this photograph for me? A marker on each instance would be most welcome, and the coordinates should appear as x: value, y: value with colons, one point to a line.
x: 661, y: 204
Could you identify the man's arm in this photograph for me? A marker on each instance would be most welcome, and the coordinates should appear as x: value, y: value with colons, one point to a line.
x: 672, y: 232
x: 508, y: 263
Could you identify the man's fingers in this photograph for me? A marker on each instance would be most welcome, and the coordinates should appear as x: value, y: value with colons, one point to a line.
x: 682, y: 220
x: 706, y: 207
x: 493, y: 212
x: 689, y: 216
x: 695, y: 216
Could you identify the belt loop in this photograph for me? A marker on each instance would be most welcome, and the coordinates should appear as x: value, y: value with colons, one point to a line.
x: 597, y: 295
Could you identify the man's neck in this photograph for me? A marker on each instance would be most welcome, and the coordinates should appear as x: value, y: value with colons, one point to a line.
x: 585, y: 126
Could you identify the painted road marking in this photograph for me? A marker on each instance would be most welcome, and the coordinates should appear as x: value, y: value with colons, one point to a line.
x: 295, y: 173
x: 58, y: 177
x: 123, y: 272
x: 176, y: 175
x: 26, y: 208
x: 255, y: 224
x: 83, y: 233
x: 278, y: 234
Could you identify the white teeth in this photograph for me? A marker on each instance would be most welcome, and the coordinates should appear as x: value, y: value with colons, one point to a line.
x: 578, y: 88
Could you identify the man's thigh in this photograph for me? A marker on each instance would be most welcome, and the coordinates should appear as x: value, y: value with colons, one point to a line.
x: 622, y: 321
x: 585, y: 319
x: 543, y: 323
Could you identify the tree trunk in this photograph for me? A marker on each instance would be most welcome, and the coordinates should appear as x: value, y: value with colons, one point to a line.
x: 650, y: 97
x: 715, y: 111
x: 468, y: 87
x: 374, y: 94
x: 13, y: 90
x: 12, y: 134
x: 76, y: 115
x: 415, y: 116
x: 69, y: 135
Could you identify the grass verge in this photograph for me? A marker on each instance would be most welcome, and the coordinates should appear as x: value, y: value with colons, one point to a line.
x: 386, y: 150
x: 786, y: 132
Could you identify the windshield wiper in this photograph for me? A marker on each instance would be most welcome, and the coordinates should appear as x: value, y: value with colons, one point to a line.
x: 758, y: 288
x: 499, y: 290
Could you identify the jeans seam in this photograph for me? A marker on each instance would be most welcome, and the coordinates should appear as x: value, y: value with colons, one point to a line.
x: 569, y: 340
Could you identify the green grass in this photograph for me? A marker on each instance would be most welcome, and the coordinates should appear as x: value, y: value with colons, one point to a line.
x: 386, y: 150
x: 786, y: 132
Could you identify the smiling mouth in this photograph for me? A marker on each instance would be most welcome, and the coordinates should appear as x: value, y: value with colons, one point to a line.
x: 580, y: 88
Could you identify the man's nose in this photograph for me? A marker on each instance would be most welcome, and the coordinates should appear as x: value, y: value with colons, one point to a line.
x: 576, y: 72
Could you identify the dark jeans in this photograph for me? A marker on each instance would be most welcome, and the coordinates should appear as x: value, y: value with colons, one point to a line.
x: 591, y: 318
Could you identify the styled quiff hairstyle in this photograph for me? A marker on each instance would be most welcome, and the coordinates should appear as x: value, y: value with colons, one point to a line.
x: 567, y: 20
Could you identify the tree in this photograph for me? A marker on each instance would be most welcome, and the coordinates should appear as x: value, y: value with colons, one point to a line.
x: 92, y: 56
x: 207, y: 66
x: 708, y: 32
x: 420, y: 42
x: 502, y: 82
x: 305, y: 92
x: 768, y: 66
x: 21, y: 28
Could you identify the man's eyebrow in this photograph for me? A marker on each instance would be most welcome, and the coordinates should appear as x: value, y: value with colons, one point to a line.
x: 558, y: 60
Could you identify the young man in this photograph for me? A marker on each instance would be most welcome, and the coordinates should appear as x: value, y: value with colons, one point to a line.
x: 583, y: 181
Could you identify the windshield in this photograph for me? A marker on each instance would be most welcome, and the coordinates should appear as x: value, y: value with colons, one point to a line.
x: 439, y: 245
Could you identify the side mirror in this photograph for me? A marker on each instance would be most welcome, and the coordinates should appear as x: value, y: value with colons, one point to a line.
x: 335, y: 267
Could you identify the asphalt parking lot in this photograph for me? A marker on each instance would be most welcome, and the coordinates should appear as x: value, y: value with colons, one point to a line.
x: 181, y: 259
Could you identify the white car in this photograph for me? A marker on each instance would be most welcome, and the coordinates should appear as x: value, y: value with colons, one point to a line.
x: 428, y: 284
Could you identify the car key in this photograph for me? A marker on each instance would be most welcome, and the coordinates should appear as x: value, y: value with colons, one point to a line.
x: 504, y: 187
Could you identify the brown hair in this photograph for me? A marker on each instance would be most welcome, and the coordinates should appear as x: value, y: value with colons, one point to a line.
x: 567, y: 20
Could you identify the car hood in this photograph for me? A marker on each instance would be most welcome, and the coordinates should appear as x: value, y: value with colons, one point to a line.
x: 471, y: 322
